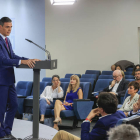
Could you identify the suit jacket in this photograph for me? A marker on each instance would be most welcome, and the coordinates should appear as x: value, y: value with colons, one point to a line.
x: 121, y: 88
x: 99, y: 131
x: 8, y: 60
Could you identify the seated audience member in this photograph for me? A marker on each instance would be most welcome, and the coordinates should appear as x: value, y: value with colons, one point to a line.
x: 133, y: 88
x: 73, y: 92
x: 123, y: 63
x: 124, y: 132
x: 118, y: 86
x: 135, y: 68
x: 50, y: 92
x: 137, y: 76
x: 107, y: 107
x: 118, y: 67
x: 136, y: 109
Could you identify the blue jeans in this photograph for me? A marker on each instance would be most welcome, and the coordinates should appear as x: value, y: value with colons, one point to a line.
x: 44, y: 105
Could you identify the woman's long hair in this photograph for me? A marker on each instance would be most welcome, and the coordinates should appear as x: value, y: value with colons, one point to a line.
x: 77, y: 83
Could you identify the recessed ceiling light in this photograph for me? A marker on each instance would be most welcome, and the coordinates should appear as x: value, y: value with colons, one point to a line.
x: 62, y: 2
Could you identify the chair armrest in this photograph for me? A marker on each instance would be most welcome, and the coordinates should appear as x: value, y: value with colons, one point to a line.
x: 81, y: 100
x: 28, y: 102
x: 21, y: 96
x: 58, y: 98
x: 82, y: 108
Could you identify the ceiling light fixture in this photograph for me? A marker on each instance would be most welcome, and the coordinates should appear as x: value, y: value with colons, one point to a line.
x: 62, y: 2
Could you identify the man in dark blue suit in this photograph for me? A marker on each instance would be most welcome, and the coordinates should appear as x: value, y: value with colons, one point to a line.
x: 8, y: 96
x: 107, y: 107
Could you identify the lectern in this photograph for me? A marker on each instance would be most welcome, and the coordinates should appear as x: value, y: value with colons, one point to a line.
x: 46, y: 64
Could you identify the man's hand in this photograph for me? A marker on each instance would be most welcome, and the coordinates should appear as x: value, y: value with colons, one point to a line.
x: 135, y: 107
x: 93, y: 113
x: 126, y: 114
x: 36, y: 59
x: 113, y: 83
x: 48, y: 102
x: 113, y: 93
x: 30, y: 62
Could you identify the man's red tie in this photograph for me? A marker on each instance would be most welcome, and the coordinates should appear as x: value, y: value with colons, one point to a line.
x: 6, y: 43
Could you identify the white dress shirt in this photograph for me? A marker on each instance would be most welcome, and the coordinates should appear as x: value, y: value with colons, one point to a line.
x: 114, y: 89
x: 49, y: 93
x: 4, y: 40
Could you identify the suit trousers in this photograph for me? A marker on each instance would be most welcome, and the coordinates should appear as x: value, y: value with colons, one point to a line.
x: 63, y: 135
x: 8, y: 108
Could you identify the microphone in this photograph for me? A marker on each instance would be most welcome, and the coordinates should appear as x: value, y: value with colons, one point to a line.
x: 48, y: 53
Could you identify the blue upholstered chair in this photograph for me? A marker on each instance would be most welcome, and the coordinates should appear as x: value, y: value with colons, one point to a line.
x: 107, y: 72
x: 23, y: 89
x: 130, y: 80
x: 82, y: 107
x: 90, y: 76
x: 92, y: 81
x: 42, y: 87
x: 129, y: 69
x: 128, y: 73
x: 65, y: 79
x: 129, y: 77
x: 47, y: 79
x: 98, y: 72
x: 68, y: 75
x: 100, y: 85
x: 105, y: 77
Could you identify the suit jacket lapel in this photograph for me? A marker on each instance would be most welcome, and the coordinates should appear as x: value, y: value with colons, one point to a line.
x: 5, y: 45
x: 120, y: 85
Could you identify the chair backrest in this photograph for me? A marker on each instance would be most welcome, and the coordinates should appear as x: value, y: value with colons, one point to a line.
x: 65, y: 79
x: 129, y: 77
x: 85, y: 88
x: 107, y: 73
x: 47, y: 79
x: 98, y: 72
x: 105, y: 77
x: 130, y: 80
x: 42, y: 86
x: 68, y: 75
x: 128, y: 73
x: 89, y: 76
x: 64, y: 86
x: 24, y: 88
x: 129, y: 69
x: 101, y: 84
x: 92, y: 81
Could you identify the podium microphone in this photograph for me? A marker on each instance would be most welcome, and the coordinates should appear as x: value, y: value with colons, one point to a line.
x: 48, y: 53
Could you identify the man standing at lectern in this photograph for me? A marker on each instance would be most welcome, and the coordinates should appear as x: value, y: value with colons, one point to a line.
x: 8, y: 96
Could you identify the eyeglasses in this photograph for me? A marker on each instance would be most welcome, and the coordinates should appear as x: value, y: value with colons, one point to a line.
x: 115, y: 76
x: 137, y: 73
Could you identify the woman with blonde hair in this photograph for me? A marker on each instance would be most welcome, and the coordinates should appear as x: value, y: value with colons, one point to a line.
x: 73, y: 92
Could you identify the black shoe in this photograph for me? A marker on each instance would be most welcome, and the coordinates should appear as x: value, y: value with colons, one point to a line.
x: 42, y: 122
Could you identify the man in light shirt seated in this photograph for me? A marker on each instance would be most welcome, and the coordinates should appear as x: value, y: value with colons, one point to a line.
x: 118, y: 86
x: 136, y: 109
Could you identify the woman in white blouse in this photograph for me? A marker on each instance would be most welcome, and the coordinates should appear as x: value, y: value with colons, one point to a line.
x: 133, y: 88
x: 50, y: 92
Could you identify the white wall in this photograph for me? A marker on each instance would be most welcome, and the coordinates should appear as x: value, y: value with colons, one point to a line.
x: 28, y: 22
x: 92, y: 34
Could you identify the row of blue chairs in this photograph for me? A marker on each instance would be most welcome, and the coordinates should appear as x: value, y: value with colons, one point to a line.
x: 81, y: 107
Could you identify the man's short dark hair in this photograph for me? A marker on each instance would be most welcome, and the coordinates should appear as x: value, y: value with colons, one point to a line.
x: 4, y: 19
x: 108, y: 102
x: 137, y: 70
x: 55, y: 76
x: 134, y: 84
